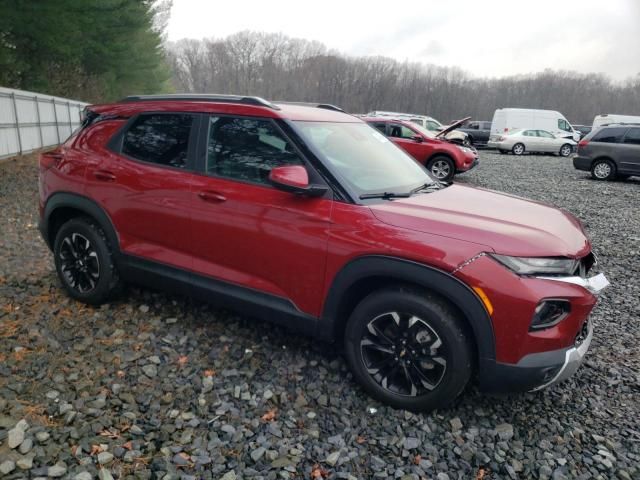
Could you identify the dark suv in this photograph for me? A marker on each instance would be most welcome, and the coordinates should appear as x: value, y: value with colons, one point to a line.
x: 308, y: 217
x: 610, y: 152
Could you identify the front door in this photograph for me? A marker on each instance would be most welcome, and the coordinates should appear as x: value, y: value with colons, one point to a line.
x: 248, y: 233
x: 403, y: 136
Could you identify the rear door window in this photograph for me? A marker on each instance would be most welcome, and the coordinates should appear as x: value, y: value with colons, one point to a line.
x: 380, y: 126
x: 632, y: 136
x: 161, y: 138
x: 609, y: 135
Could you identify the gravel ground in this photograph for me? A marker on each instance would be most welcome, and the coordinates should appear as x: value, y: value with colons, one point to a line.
x: 156, y: 386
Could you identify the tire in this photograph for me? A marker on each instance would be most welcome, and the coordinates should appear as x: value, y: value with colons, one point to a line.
x: 374, y: 320
x: 603, y: 170
x: 518, y: 149
x: 565, y: 150
x: 442, y: 168
x: 84, y: 261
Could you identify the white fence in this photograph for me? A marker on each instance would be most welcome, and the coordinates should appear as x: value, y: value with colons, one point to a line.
x: 30, y: 121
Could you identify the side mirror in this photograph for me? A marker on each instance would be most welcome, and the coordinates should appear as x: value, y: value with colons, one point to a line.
x: 295, y: 179
x: 417, y: 138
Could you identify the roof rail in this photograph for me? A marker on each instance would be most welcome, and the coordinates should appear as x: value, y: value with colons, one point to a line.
x: 325, y: 106
x: 203, y: 97
x: 619, y: 123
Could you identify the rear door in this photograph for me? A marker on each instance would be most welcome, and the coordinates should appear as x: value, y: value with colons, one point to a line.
x: 630, y: 152
x: 247, y: 233
x: 144, y: 184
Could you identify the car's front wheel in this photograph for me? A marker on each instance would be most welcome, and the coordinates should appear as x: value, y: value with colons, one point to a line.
x: 442, y: 168
x: 518, y: 149
x: 408, y: 349
x: 84, y: 262
x: 603, y: 170
x: 565, y: 150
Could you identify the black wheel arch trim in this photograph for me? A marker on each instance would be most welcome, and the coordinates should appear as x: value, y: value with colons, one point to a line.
x: 402, y: 270
x: 81, y: 203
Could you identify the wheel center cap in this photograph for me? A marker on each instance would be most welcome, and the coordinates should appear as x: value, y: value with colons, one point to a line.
x: 403, y: 352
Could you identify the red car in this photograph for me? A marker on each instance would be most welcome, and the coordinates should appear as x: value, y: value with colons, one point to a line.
x: 308, y: 217
x: 443, y: 158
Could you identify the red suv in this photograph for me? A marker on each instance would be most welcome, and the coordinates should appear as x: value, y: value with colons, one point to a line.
x: 308, y: 217
x: 443, y: 158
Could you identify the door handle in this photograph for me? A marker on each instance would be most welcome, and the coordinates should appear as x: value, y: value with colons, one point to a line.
x: 104, y: 176
x: 213, y: 197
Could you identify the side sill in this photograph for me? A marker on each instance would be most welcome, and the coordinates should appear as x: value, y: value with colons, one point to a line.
x: 250, y: 302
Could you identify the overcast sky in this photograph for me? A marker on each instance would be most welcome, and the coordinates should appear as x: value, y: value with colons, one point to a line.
x: 483, y: 37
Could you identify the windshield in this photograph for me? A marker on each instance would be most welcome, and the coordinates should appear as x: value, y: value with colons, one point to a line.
x: 424, y: 131
x: 362, y: 157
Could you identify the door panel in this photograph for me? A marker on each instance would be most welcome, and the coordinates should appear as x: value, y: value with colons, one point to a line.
x: 149, y: 200
x: 630, y: 152
x: 246, y: 231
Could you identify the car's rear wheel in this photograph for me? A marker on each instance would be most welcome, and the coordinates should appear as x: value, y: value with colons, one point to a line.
x: 565, y: 150
x: 603, y: 170
x: 442, y: 168
x: 518, y: 149
x: 408, y: 348
x: 84, y: 261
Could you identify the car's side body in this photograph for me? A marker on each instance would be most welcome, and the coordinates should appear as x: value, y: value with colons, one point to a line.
x: 478, y: 132
x: 423, y: 147
x: 617, y: 144
x: 203, y: 217
x: 533, y: 141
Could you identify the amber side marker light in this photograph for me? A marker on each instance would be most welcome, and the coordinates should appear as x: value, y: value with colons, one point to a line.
x: 485, y: 299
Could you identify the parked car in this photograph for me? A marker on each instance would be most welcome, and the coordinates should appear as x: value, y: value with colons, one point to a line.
x: 310, y: 218
x: 478, y: 132
x: 428, y: 123
x: 611, y: 118
x: 519, y: 142
x: 442, y: 157
x: 507, y: 119
x: 582, y: 129
x: 610, y: 152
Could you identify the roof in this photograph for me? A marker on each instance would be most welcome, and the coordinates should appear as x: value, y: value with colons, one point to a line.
x: 225, y: 104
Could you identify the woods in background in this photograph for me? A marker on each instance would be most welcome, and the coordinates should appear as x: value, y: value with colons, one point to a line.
x: 91, y: 50
x: 278, y: 67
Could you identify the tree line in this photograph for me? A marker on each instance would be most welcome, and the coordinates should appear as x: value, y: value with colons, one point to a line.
x: 278, y: 67
x: 92, y: 50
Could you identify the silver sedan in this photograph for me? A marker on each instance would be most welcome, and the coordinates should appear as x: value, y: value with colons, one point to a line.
x: 522, y: 141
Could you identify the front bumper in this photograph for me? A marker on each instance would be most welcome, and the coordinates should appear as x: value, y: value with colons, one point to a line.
x: 538, y: 370
x: 473, y: 164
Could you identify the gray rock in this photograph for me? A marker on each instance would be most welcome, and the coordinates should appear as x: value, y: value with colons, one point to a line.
x: 505, y: 431
x: 150, y: 370
x: 57, y: 470
x: 25, y: 463
x: 411, y: 443
x: 332, y: 458
x: 7, y: 467
x: 267, y: 395
x: 230, y: 475
x: 105, y: 458
x: 456, y: 424
x: 26, y: 446
x: 83, y: 476
x: 442, y: 476
x: 104, y: 474
x: 15, y: 437
x: 207, y: 384
x: 258, y: 453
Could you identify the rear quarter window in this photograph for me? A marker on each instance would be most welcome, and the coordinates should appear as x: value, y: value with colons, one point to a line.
x: 609, y: 135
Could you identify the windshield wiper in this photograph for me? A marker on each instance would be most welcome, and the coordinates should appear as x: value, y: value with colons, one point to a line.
x: 427, y: 187
x: 385, y: 195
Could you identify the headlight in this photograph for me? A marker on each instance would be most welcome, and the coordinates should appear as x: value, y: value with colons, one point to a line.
x: 538, y: 265
x: 464, y: 149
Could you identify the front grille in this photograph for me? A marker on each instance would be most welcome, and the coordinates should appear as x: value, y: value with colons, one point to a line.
x: 585, y: 265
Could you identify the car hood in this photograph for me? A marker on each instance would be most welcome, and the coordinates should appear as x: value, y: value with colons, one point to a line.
x: 451, y: 127
x: 506, y: 224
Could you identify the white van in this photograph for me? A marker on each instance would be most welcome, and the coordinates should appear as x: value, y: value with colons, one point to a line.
x: 607, y: 118
x: 507, y: 119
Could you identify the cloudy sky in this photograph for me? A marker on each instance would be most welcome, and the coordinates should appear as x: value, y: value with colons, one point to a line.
x: 484, y: 37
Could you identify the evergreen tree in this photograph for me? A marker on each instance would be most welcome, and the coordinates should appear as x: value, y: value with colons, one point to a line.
x: 94, y: 50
